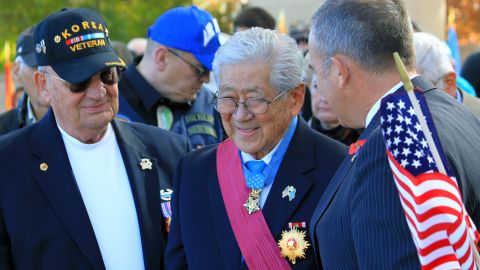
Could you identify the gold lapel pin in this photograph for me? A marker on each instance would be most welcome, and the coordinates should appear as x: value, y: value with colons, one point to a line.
x: 146, y: 164
x: 44, y: 166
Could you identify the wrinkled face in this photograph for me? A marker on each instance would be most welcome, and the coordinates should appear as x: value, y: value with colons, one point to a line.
x: 87, y: 112
x: 183, y: 80
x: 254, y: 134
x: 320, y: 108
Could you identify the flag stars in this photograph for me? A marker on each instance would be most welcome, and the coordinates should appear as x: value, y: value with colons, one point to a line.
x: 418, y: 154
x: 390, y: 106
x: 408, y: 120
x: 395, y: 152
x: 416, y: 163
x: 411, y: 111
x: 400, y: 118
x: 398, y: 129
x: 408, y: 141
x: 430, y: 159
x: 389, y: 130
x: 401, y: 104
x: 404, y: 163
x: 406, y: 152
x: 396, y: 140
x: 424, y: 143
x: 389, y: 118
x: 418, y: 127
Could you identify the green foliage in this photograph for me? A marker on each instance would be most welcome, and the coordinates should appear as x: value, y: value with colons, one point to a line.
x: 125, y: 18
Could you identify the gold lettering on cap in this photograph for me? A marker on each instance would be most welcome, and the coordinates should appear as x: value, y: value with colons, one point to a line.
x: 85, y: 25
x: 75, y: 28
x: 100, y: 27
x: 65, y: 34
x: 94, y: 25
x: 87, y: 44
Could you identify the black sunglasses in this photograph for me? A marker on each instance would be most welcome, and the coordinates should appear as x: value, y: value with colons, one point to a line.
x: 108, y: 76
x: 200, y: 71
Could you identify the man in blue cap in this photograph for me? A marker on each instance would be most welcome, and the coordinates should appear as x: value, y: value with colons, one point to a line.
x: 32, y: 106
x: 80, y: 190
x: 165, y: 88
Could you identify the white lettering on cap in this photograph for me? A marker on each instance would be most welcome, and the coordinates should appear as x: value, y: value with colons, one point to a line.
x: 209, y: 32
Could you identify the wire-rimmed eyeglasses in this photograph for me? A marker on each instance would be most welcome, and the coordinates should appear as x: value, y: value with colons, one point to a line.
x: 228, y: 105
x: 200, y: 71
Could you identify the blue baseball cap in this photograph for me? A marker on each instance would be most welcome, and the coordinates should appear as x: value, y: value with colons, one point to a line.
x: 25, y: 47
x: 188, y: 29
x: 75, y: 43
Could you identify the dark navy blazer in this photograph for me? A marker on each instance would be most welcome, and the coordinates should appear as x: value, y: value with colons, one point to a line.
x: 359, y: 222
x: 43, y: 221
x: 201, y: 236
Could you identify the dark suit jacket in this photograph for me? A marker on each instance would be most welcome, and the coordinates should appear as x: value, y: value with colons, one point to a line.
x: 43, y: 221
x: 359, y: 222
x: 201, y: 236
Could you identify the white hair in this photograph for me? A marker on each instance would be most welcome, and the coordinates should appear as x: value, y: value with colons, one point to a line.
x: 433, y: 58
x: 266, y: 46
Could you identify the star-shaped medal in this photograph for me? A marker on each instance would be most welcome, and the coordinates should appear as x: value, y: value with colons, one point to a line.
x: 146, y: 164
x: 253, y: 202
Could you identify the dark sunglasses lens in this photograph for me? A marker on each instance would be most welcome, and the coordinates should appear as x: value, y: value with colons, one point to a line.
x: 80, y: 87
x: 109, y: 76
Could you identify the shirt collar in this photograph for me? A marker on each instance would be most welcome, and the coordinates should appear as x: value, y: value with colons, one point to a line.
x: 376, y: 106
x: 30, y: 115
x: 145, y: 91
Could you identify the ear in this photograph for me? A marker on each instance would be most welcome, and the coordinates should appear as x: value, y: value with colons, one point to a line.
x: 341, y: 70
x: 40, y: 80
x: 160, y: 57
x: 450, y: 83
x: 16, y: 71
x: 298, y: 95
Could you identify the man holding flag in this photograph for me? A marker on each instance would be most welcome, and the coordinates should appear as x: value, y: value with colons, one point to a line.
x: 359, y: 222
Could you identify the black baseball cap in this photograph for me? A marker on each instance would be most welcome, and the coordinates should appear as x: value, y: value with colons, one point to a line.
x: 75, y: 43
x: 25, y: 47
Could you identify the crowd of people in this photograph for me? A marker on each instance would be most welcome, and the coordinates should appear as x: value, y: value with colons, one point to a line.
x: 262, y: 150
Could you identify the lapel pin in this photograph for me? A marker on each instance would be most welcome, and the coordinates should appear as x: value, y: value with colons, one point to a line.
x: 44, y: 166
x: 290, y: 192
x: 146, y: 164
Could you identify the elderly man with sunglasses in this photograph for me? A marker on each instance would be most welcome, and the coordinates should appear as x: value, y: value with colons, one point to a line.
x: 80, y: 190
x: 248, y: 201
x: 165, y: 88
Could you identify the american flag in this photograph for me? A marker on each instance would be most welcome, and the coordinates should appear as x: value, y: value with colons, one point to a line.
x: 440, y: 226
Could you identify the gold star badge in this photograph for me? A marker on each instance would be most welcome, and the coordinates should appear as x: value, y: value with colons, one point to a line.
x: 57, y: 39
x: 44, y: 167
x: 146, y: 164
x: 253, y: 202
x: 293, y: 245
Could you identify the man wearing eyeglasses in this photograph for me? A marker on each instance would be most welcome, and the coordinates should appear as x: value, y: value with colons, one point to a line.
x: 80, y: 190
x: 248, y: 201
x: 165, y: 88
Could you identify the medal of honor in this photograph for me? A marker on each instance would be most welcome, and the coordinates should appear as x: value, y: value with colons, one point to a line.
x: 253, y: 202
x: 293, y: 244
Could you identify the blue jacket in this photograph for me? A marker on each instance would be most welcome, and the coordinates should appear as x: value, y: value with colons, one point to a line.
x: 201, y: 236
x: 43, y: 221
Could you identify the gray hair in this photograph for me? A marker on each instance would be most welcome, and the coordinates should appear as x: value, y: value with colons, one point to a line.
x: 367, y: 31
x: 433, y: 58
x: 265, y: 46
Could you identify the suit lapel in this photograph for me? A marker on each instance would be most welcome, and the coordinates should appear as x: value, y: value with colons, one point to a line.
x: 146, y: 193
x: 297, y: 160
x: 54, y: 175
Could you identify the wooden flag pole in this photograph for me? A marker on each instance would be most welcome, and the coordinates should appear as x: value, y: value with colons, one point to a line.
x: 407, y: 84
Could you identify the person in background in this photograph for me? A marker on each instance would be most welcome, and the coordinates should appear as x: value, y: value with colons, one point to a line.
x: 434, y: 62
x: 359, y: 222
x: 121, y: 50
x: 165, y: 89
x: 137, y: 46
x: 253, y: 17
x: 80, y: 189
x: 324, y: 119
x: 299, y: 32
x: 248, y: 200
x: 32, y: 106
